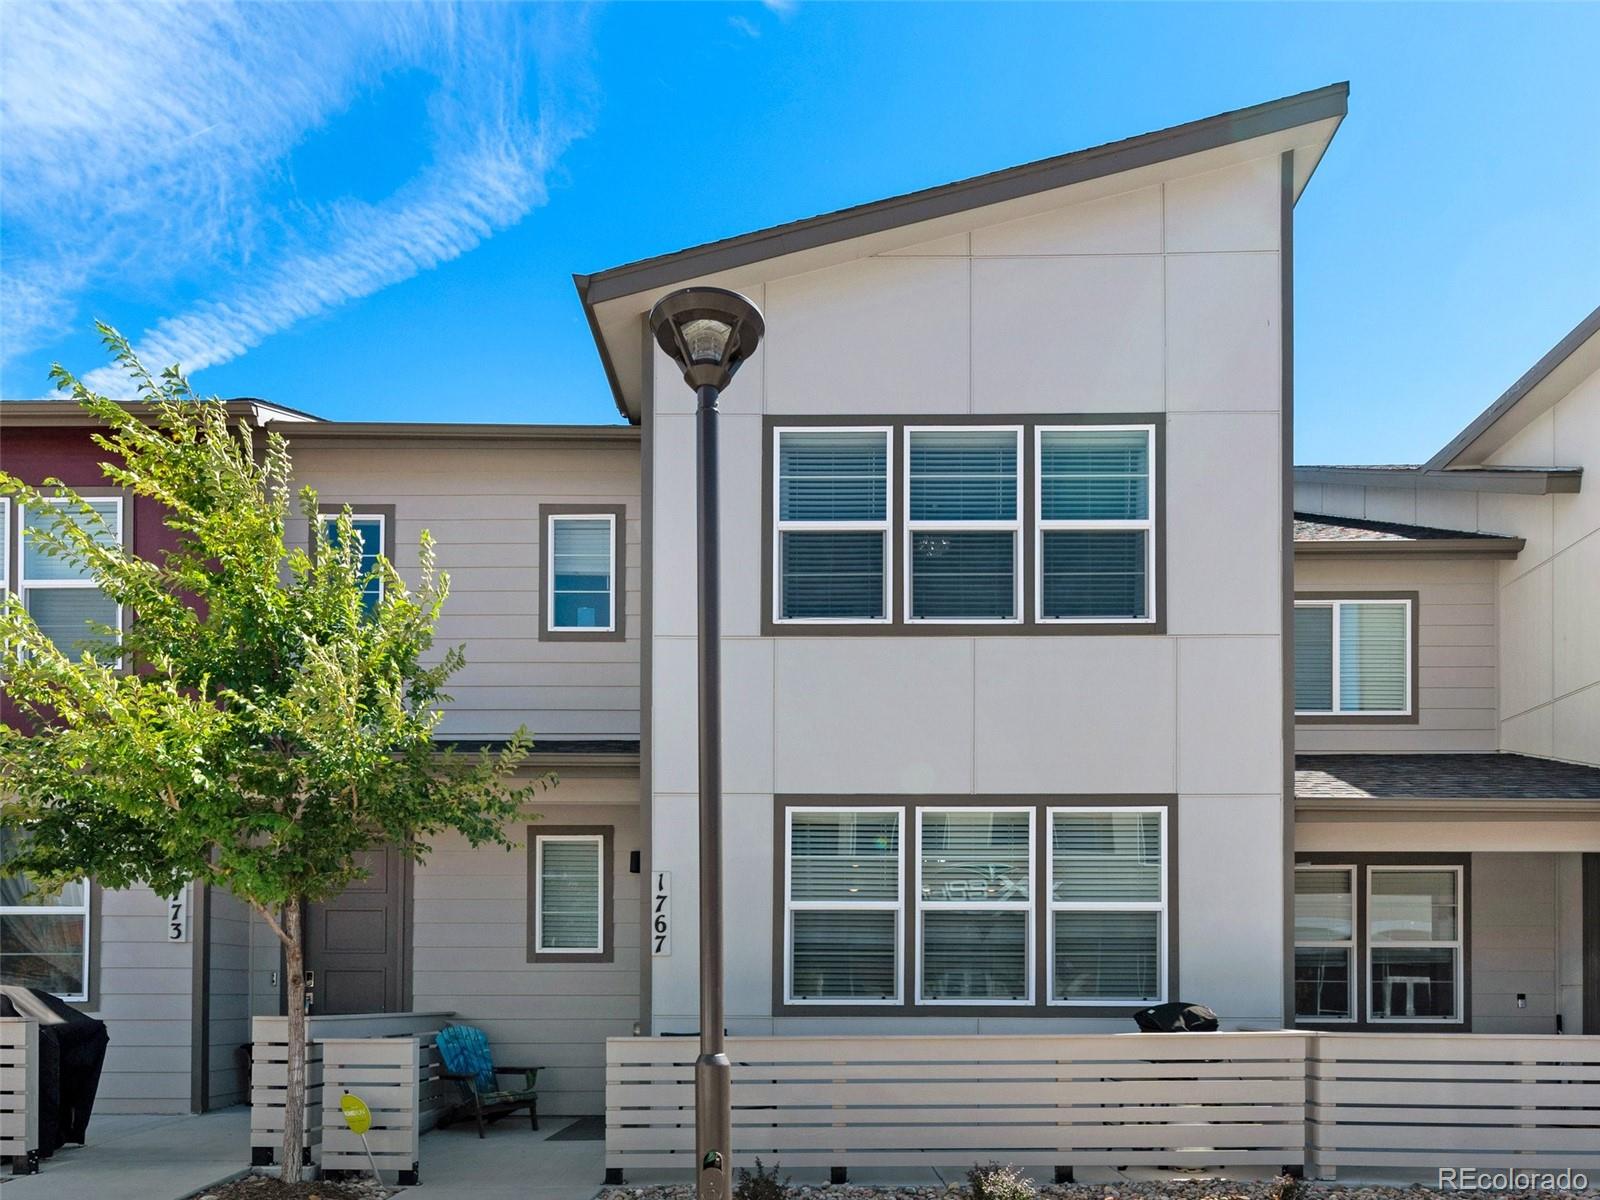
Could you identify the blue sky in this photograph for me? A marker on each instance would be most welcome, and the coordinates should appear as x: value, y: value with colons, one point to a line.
x: 373, y: 211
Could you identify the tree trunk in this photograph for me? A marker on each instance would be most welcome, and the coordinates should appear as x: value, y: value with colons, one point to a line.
x: 294, y: 1101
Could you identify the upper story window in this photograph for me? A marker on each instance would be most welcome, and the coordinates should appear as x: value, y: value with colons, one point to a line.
x: 62, y: 596
x: 1096, y: 534
x: 369, y: 531
x: 1353, y: 657
x: 963, y: 506
x: 832, y: 550
x: 583, y: 572
x: 1032, y: 523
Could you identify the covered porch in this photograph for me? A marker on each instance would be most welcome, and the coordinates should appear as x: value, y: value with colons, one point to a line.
x: 1447, y: 893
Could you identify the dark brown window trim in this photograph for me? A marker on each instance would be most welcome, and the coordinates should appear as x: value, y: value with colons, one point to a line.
x: 608, y: 888
x: 1414, y: 717
x: 619, y: 582
x: 897, y: 625
x: 781, y: 1007
x: 1361, y: 862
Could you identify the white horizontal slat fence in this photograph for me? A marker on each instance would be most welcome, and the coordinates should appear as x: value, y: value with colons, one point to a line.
x: 405, y: 1057
x: 1200, y: 1100
x: 19, y: 1094
x: 1425, y: 1101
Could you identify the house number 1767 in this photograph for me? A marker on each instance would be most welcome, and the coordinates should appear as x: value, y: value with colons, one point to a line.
x: 661, y: 915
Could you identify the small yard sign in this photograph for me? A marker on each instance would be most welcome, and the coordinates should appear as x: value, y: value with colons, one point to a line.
x: 359, y: 1117
x: 661, y: 916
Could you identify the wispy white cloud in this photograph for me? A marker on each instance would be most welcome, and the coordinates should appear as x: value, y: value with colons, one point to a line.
x: 147, y: 143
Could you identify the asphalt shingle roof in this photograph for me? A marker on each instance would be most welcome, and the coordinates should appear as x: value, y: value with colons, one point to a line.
x: 1310, y: 527
x: 1442, y: 777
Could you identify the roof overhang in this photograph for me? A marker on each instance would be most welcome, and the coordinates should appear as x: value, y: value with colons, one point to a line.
x: 433, y: 433
x: 66, y: 413
x: 1573, y: 359
x: 1524, y: 481
x: 616, y: 300
x: 1484, y: 547
x: 1445, y: 809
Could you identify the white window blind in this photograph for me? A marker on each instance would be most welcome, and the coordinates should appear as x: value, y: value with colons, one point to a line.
x: 44, y: 941
x: 975, y: 905
x: 1352, y: 657
x: 1108, y: 899
x: 845, y: 900
x: 581, y: 593
x: 368, y: 531
x: 832, y: 512
x: 569, y: 906
x: 60, y: 595
x: 1414, y: 943
x: 1324, y: 943
x: 963, y: 524
x: 1096, y: 535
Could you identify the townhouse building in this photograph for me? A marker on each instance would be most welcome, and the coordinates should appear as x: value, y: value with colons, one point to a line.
x: 1052, y: 688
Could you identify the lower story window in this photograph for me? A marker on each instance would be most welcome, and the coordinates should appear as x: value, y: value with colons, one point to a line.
x: 44, y: 940
x: 844, y: 902
x: 980, y: 927
x: 1401, y: 961
x: 569, y: 888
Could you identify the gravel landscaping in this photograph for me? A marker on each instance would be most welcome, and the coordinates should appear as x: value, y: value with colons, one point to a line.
x: 1181, y: 1189
x: 270, y: 1187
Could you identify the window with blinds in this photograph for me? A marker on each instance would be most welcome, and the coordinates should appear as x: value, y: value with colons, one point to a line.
x: 975, y: 905
x: 581, y: 592
x: 1324, y: 943
x: 60, y: 595
x: 962, y: 524
x: 1108, y: 899
x: 569, y: 899
x: 1096, y: 535
x: 832, y: 537
x: 1414, y: 943
x: 1352, y: 657
x: 368, y: 531
x: 845, y: 902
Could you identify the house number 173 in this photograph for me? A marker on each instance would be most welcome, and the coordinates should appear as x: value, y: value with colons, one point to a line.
x: 661, y: 915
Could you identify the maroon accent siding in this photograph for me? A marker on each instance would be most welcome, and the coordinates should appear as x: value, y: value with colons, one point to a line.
x: 34, y: 454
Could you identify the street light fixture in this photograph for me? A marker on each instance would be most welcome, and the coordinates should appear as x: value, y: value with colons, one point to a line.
x: 709, y: 332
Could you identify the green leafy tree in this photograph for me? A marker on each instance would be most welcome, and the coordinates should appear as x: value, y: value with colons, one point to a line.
x: 256, y: 725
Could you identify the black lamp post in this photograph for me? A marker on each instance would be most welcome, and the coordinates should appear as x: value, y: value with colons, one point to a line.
x: 709, y: 332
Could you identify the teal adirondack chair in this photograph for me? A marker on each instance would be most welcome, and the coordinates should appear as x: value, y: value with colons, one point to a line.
x: 464, y: 1050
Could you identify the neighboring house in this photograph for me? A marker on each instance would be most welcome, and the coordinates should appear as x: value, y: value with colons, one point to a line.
x: 1051, y: 689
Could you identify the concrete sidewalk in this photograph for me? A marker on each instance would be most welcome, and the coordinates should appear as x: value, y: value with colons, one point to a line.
x: 141, y: 1158
x: 511, y: 1163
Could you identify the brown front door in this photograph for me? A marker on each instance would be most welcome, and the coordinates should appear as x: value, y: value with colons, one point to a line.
x: 355, y: 943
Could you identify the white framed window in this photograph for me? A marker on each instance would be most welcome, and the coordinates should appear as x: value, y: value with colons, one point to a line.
x: 830, y: 557
x: 61, y: 596
x: 1107, y: 940
x: 44, y: 941
x: 1095, y: 547
x: 581, y: 583
x: 963, y: 505
x: 5, y: 547
x: 370, y: 531
x: 1414, y: 944
x: 975, y: 906
x: 1352, y: 657
x: 569, y: 893
x: 1324, y: 942
x: 844, y: 892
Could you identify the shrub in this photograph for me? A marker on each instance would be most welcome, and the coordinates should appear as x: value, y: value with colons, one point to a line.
x: 760, y: 1184
x: 997, y: 1182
